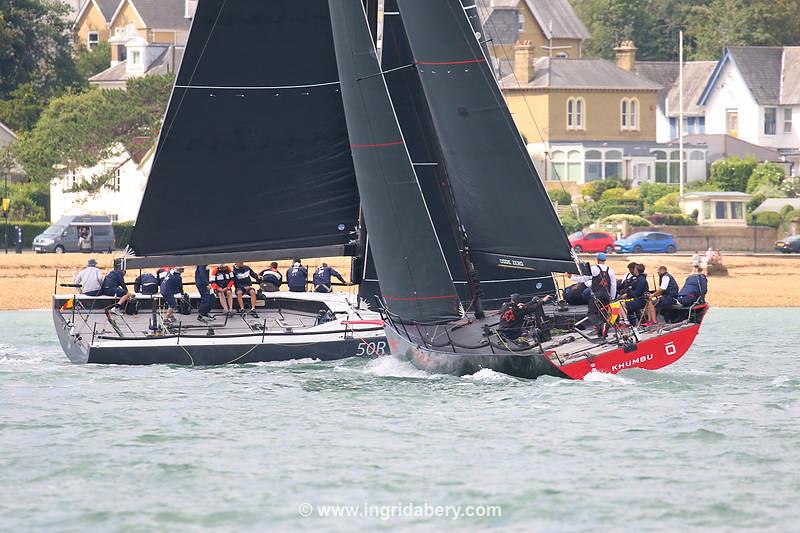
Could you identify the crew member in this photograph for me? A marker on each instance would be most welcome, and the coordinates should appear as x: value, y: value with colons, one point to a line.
x: 602, y: 283
x: 202, y: 281
x: 694, y: 288
x: 297, y: 277
x: 162, y: 273
x: 243, y: 277
x: 322, y: 278
x: 90, y: 279
x: 513, y: 313
x: 667, y: 290
x: 637, y: 297
x: 114, y: 285
x: 145, y: 283
x: 222, y: 285
x: 627, y: 282
x: 271, y: 278
x: 172, y: 285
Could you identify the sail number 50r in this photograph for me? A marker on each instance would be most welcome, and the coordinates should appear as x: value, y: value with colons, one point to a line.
x: 371, y: 348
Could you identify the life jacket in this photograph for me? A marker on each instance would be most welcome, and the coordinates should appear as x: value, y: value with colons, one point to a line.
x: 221, y: 278
x: 146, y: 284
x: 272, y: 276
x: 296, y: 277
x: 601, y: 283
x: 672, y: 287
x: 243, y: 276
x: 162, y: 273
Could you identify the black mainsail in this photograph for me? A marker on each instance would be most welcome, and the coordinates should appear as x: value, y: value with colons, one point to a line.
x: 499, y: 197
x: 254, y: 153
x: 414, y: 278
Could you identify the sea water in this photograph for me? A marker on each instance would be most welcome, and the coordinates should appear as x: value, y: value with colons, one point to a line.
x: 710, y: 443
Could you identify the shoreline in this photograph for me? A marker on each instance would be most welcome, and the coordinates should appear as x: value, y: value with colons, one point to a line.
x: 27, y: 281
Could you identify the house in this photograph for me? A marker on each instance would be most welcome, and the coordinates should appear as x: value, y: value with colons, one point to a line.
x: 774, y: 205
x: 588, y: 119
x: 160, y: 22
x: 552, y: 27
x: 140, y: 59
x: 93, y: 21
x: 753, y: 94
x: 6, y: 136
x: 716, y: 208
x: 119, y: 198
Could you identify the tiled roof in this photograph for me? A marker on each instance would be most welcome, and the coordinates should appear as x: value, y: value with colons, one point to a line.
x: 584, y: 73
x: 502, y: 26
x: 566, y: 23
x: 664, y: 73
x: 168, y: 61
x: 790, y: 81
x: 695, y: 78
x: 760, y: 66
x: 108, y: 7
x: 163, y: 14
x: 776, y: 204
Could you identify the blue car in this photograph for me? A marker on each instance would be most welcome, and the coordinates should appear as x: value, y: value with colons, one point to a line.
x: 647, y: 242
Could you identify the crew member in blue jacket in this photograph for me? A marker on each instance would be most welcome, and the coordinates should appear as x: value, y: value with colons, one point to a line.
x: 694, y: 288
x: 114, y: 285
x: 667, y: 289
x: 243, y: 278
x: 322, y: 278
x: 297, y: 277
x: 145, y: 284
x: 172, y: 285
x: 202, y: 281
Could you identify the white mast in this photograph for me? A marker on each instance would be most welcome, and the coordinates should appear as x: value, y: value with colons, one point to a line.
x: 680, y: 113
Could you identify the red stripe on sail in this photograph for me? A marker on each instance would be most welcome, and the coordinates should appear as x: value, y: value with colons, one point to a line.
x: 376, y: 145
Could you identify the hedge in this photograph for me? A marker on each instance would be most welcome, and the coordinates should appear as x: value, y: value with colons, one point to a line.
x: 30, y: 230
x: 633, y: 220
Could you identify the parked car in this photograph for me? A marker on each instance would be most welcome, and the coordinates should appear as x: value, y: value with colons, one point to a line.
x: 788, y: 245
x: 78, y: 233
x: 647, y: 241
x: 592, y: 241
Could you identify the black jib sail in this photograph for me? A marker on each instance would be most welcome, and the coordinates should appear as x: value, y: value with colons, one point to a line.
x: 413, y: 274
x: 499, y: 197
x: 415, y: 121
x: 254, y: 153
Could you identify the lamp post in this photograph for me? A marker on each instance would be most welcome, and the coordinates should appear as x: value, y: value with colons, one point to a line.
x: 6, y: 205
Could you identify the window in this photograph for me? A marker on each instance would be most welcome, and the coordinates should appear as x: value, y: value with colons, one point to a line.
x: 613, y: 165
x: 562, y: 55
x: 629, y: 114
x: 697, y: 155
x: 114, y: 218
x: 92, y: 39
x: 673, y: 128
x: 594, y: 166
x: 769, y: 120
x: 736, y: 210
x: 558, y: 166
x: 662, y: 170
x: 116, y: 182
x: 701, y: 125
x: 675, y: 166
x: 787, y: 120
x: 706, y: 210
x: 574, y: 164
x: 721, y: 210
x: 135, y: 57
x: 576, y: 108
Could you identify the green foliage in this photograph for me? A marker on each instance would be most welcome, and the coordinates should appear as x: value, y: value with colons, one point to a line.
x: 633, y: 220
x: 704, y: 186
x: 35, y: 46
x: 595, y: 189
x: 91, y: 62
x: 792, y: 215
x: 571, y: 224
x: 652, y: 192
x: 122, y: 233
x: 29, y: 201
x: 22, y: 108
x: 755, y: 201
x: 607, y: 210
x: 709, y: 25
x: 667, y: 203
x: 79, y: 130
x: 560, y: 196
x: 732, y: 174
x: 765, y: 175
x: 791, y: 186
x: 613, y: 195
x: 672, y: 219
x: 590, y: 210
x: 633, y: 194
x: 29, y: 231
x: 769, y: 218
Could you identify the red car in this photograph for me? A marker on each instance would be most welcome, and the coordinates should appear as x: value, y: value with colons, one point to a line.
x: 592, y: 241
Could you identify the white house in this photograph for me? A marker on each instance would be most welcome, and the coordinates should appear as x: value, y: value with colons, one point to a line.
x: 754, y: 95
x: 716, y: 208
x: 119, y: 198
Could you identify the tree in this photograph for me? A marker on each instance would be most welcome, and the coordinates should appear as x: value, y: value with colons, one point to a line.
x: 35, y: 46
x: 733, y: 173
x: 91, y: 62
x: 765, y: 176
x: 81, y: 129
x: 22, y: 108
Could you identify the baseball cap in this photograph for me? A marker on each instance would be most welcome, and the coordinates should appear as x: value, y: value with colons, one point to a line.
x: 601, y: 256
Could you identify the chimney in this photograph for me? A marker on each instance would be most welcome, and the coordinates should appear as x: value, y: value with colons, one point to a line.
x: 524, y: 61
x: 626, y: 55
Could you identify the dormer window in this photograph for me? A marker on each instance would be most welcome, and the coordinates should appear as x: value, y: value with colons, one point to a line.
x: 92, y: 39
x: 136, y: 57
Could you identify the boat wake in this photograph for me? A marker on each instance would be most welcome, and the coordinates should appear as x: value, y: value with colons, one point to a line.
x: 487, y: 375
x: 290, y: 362
x: 390, y: 367
x: 602, y: 377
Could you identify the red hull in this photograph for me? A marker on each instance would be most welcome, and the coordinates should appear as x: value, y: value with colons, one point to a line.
x: 650, y: 354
